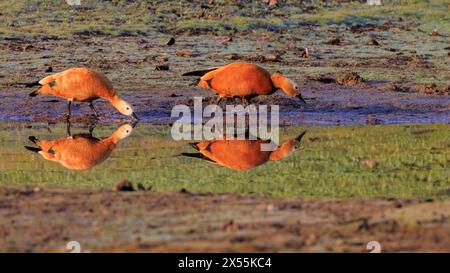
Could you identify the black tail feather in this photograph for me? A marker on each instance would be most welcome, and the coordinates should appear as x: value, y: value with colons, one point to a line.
x: 32, y: 139
x: 194, y: 145
x: 33, y: 149
x: 33, y: 94
x: 32, y: 84
x: 197, y: 155
x: 199, y: 72
x: 195, y: 83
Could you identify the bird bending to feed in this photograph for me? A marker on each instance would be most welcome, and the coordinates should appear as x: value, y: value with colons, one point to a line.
x: 245, y: 80
x: 82, y: 85
x: 79, y: 152
x: 242, y: 154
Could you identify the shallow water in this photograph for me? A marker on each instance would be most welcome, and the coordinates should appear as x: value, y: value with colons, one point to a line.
x: 330, y: 105
x: 412, y: 161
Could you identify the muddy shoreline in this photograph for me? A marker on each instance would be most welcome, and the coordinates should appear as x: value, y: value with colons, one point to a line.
x: 327, y: 104
x: 396, y: 84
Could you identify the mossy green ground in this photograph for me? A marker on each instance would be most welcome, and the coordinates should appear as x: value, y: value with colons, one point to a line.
x: 57, y: 31
x: 137, y: 17
x: 413, y: 162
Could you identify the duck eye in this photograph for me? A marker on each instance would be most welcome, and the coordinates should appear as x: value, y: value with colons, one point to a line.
x: 128, y: 131
x: 128, y: 108
x: 296, y: 87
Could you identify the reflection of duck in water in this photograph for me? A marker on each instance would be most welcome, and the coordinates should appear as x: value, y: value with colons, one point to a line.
x: 79, y: 152
x: 242, y: 154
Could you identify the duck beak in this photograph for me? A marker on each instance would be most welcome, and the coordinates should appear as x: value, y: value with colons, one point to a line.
x: 135, y: 116
x: 134, y: 123
x: 299, y: 96
x: 299, y: 137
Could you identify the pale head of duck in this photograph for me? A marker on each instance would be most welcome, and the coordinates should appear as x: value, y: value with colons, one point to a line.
x: 287, y: 148
x: 122, y: 132
x: 124, y: 107
x: 287, y: 86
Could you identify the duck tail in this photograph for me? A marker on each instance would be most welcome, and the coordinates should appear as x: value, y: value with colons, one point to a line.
x: 194, y: 145
x: 32, y: 84
x: 33, y: 149
x: 196, y: 155
x: 34, y: 93
x: 44, y: 89
x: 199, y: 72
x: 33, y: 139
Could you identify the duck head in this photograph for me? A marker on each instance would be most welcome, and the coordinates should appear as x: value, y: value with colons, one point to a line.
x: 287, y: 86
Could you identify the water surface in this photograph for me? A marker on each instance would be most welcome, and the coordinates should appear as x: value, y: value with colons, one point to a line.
x: 408, y: 161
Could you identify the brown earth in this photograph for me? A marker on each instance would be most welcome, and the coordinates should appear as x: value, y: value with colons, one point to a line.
x: 46, y: 219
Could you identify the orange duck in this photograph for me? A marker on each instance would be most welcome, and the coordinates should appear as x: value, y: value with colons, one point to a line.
x: 245, y: 80
x: 242, y: 154
x: 82, y: 85
x: 79, y: 152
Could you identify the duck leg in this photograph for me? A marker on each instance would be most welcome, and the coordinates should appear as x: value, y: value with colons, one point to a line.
x: 68, y: 125
x: 247, y: 108
x: 91, y: 105
x: 219, y: 99
x: 69, y: 110
x: 92, y: 127
x: 246, y: 101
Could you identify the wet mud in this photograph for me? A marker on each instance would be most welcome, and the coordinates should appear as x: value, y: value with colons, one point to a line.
x: 327, y: 104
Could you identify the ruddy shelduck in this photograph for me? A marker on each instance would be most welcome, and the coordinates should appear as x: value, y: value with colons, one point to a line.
x: 242, y: 154
x: 83, y: 85
x: 79, y: 152
x: 245, y: 80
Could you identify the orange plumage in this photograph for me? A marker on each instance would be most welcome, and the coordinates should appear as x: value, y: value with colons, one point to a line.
x: 79, y: 152
x: 243, y: 79
x: 242, y: 154
x: 82, y: 85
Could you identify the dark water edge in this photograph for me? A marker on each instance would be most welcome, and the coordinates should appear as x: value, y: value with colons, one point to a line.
x: 328, y: 106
